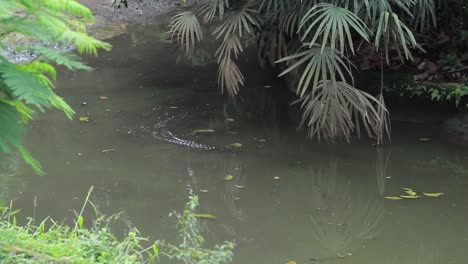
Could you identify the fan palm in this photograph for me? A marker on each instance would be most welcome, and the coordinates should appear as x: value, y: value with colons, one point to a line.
x: 311, y: 42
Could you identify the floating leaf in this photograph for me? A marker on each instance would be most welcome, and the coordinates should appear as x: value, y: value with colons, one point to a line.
x: 202, y: 131
x: 230, y: 120
x: 209, y: 216
x: 103, y: 97
x: 204, y: 191
x: 236, y: 145
x: 228, y: 177
x: 433, y: 194
x: 239, y: 186
x: 410, y: 192
x: 84, y: 118
x: 393, y: 198
x: 291, y: 262
x: 410, y: 196
x: 276, y: 178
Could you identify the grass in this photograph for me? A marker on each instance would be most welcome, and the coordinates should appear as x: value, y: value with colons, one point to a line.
x: 52, y: 242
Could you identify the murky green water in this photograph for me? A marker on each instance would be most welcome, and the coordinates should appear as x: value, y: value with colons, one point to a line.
x: 327, y: 202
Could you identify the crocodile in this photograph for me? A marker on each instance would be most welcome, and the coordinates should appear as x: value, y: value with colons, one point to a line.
x: 167, y: 136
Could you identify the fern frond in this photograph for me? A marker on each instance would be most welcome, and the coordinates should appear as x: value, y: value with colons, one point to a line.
x: 71, y: 7
x: 67, y: 59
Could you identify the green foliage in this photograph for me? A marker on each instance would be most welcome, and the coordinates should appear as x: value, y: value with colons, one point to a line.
x: 312, y: 42
x: 435, y: 93
x: 190, y: 251
x: 28, y: 88
x: 51, y: 242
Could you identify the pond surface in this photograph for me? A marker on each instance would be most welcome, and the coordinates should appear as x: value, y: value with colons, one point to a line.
x: 327, y: 202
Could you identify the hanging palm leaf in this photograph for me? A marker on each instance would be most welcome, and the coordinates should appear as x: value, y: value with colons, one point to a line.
x: 230, y: 45
x: 229, y: 76
x: 321, y: 64
x: 272, y: 46
x: 240, y: 23
x: 209, y: 9
x: 332, y: 24
x: 424, y: 14
x: 383, y: 125
x: 328, y: 111
x: 186, y: 30
x: 392, y: 29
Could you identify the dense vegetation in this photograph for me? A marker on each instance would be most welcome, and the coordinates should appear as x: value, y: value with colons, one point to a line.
x: 53, y: 242
x: 317, y: 46
x: 27, y: 88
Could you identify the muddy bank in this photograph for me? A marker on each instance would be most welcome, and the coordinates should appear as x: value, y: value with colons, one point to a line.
x: 110, y: 22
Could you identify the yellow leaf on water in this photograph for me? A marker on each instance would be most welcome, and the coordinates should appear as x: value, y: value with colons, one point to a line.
x: 291, y: 262
x: 200, y: 131
x: 236, y: 145
x: 410, y: 196
x: 407, y: 189
x: 392, y: 198
x: 433, y: 194
x: 84, y: 118
x: 239, y: 186
x: 411, y: 193
x: 228, y: 177
x: 230, y: 120
x: 276, y: 178
x: 209, y: 216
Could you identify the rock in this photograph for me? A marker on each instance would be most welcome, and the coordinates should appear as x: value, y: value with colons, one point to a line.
x: 432, y: 68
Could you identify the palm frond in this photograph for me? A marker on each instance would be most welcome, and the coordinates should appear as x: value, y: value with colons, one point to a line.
x: 392, y: 29
x: 320, y: 64
x: 209, y: 9
x: 332, y: 24
x: 328, y: 112
x: 186, y: 30
x: 272, y: 46
x: 230, y: 46
x: 229, y: 76
x: 239, y: 23
x: 424, y: 14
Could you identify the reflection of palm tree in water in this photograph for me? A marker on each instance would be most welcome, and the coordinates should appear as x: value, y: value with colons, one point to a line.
x: 344, y: 220
x: 382, y: 168
x: 232, y: 194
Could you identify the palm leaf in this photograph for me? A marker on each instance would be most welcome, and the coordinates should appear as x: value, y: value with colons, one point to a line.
x: 229, y: 76
x: 424, y: 14
x: 333, y: 25
x: 209, y: 9
x: 328, y: 112
x: 392, y: 29
x: 320, y: 64
x: 272, y: 46
x: 186, y: 30
x: 240, y: 23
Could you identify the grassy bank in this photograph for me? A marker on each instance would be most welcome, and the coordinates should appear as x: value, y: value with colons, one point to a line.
x: 53, y: 242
